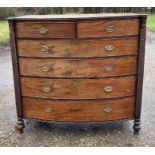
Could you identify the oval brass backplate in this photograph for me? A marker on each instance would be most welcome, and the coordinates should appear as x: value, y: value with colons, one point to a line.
x: 43, y: 30
x: 108, y: 68
x: 48, y: 109
x: 45, y: 69
x: 44, y: 49
x: 108, y: 89
x: 109, y: 29
x: 109, y: 48
x: 46, y: 89
x: 108, y: 110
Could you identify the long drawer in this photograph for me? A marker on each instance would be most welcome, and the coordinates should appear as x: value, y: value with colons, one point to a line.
x: 79, y: 110
x: 40, y: 29
x: 77, y: 48
x: 78, y: 67
x: 108, y: 28
x: 78, y: 88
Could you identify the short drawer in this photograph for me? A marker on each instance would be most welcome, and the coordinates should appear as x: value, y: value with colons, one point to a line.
x: 77, y: 48
x: 79, y: 110
x: 78, y: 88
x: 108, y: 28
x: 81, y: 68
x: 45, y: 29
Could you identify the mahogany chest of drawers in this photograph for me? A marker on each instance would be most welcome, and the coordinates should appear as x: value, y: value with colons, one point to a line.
x: 78, y: 68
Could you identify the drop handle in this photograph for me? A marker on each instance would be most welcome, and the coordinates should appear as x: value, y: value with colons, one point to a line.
x: 43, y: 30
x: 109, y: 48
x: 108, y: 89
x: 109, y: 29
x: 48, y: 110
x: 46, y: 49
x: 46, y: 89
x: 108, y: 68
x: 107, y: 110
x: 45, y: 69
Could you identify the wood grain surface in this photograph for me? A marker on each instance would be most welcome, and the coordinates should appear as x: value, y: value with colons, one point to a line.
x: 78, y: 110
x: 76, y: 16
x: 98, y: 28
x: 77, y: 48
x: 55, y: 30
x: 78, y: 67
x: 78, y: 88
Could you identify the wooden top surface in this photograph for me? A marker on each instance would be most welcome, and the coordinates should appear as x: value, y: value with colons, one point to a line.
x: 76, y: 16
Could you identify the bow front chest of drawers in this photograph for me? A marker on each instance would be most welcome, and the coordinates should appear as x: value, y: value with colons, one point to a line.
x: 78, y: 68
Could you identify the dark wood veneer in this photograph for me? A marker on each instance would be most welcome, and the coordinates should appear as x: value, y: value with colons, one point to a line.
x: 78, y: 111
x: 78, y: 68
x: 79, y: 43
x: 78, y: 48
x: 78, y: 88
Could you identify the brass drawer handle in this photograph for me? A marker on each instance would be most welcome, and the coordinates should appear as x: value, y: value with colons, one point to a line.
x: 109, y: 47
x: 108, y: 110
x: 108, y: 68
x: 108, y: 89
x: 46, y: 89
x: 44, y: 49
x: 45, y: 69
x: 43, y: 30
x: 109, y: 29
x: 48, y: 109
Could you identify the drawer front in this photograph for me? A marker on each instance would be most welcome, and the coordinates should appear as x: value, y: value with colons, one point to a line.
x: 45, y: 30
x: 108, y: 28
x: 78, y: 67
x: 79, y: 110
x: 77, y: 48
x: 78, y: 88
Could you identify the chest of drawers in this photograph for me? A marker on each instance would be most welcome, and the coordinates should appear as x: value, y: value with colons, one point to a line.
x: 78, y: 68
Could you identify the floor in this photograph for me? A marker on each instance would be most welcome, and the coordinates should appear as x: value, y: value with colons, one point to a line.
x: 59, y: 134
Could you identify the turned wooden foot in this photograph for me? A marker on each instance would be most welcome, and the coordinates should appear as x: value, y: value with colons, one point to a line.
x: 20, y: 125
x: 136, y: 126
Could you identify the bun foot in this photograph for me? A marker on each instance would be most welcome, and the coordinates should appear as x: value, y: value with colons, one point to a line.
x: 20, y: 125
x: 136, y: 126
